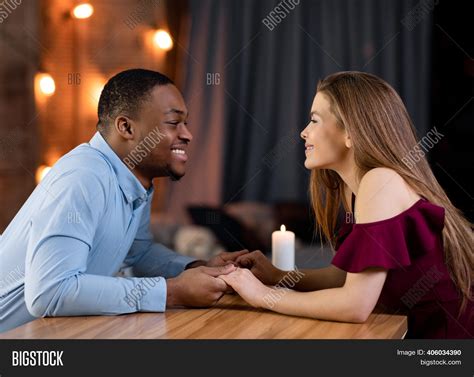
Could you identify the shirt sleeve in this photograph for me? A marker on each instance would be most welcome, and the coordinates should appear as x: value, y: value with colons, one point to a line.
x: 61, y: 237
x: 153, y: 259
x: 378, y: 245
x: 392, y: 243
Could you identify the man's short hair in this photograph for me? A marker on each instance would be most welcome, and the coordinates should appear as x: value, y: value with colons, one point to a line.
x: 124, y: 93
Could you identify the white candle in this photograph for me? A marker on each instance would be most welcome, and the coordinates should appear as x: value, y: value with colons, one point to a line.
x: 283, y: 249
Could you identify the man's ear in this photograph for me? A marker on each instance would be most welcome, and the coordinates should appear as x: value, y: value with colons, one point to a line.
x: 125, y: 127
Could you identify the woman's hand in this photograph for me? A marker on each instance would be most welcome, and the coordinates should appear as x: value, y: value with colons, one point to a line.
x: 261, y: 267
x: 248, y: 286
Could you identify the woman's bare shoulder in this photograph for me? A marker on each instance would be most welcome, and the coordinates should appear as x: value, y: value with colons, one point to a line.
x: 382, y: 194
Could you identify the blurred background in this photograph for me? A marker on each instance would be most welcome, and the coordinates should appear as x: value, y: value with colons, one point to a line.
x: 248, y: 70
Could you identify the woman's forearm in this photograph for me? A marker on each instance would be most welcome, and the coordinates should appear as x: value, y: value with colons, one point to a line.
x: 352, y: 302
x: 335, y: 304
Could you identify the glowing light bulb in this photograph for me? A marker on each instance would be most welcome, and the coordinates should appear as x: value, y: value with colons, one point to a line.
x: 95, y: 92
x: 162, y: 40
x: 41, y: 172
x: 82, y: 11
x: 46, y: 84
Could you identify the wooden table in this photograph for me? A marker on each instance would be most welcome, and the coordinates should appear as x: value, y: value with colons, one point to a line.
x: 231, y: 318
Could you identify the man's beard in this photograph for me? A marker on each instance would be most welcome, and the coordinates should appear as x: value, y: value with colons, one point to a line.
x: 173, y: 176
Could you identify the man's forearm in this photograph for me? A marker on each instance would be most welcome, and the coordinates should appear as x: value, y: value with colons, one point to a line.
x: 313, y: 279
x: 158, y: 260
x: 86, y: 294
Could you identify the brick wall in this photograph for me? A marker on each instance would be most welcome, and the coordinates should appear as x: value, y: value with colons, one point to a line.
x: 18, y: 119
x: 80, y: 55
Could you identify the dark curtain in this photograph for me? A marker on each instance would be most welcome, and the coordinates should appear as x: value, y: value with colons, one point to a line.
x: 268, y: 80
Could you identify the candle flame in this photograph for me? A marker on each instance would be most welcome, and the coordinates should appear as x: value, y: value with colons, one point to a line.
x: 283, y: 228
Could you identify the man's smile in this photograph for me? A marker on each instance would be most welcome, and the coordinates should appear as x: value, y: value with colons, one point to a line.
x: 179, y: 152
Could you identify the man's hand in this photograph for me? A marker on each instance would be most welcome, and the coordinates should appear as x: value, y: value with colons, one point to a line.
x: 221, y: 259
x: 197, y: 287
x: 225, y: 258
x: 261, y: 267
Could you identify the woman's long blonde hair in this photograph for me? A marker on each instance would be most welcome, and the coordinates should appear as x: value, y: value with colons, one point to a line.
x: 382, y: 135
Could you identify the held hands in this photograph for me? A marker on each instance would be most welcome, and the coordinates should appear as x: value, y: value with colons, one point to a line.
x: 198, y: 287
x: 221, y: 259
x: 244, y: 282
x: 204, y: 283
x: 261, y: 267
x: 251, y: 281
x: 226, y: 258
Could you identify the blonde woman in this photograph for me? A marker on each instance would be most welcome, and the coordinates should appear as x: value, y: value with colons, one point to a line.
x: 406, y: 248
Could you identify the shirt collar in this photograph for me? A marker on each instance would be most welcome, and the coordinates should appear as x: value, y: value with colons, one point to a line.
x: 129, y: 184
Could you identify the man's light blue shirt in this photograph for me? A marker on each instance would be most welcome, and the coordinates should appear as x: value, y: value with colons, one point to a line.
x: 60, y: 254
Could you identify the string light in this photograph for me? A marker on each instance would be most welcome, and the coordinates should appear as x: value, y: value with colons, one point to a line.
x: 45, y: 84
x: 41, y: 172
x: 82, y: 11
x: 162, y: 39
